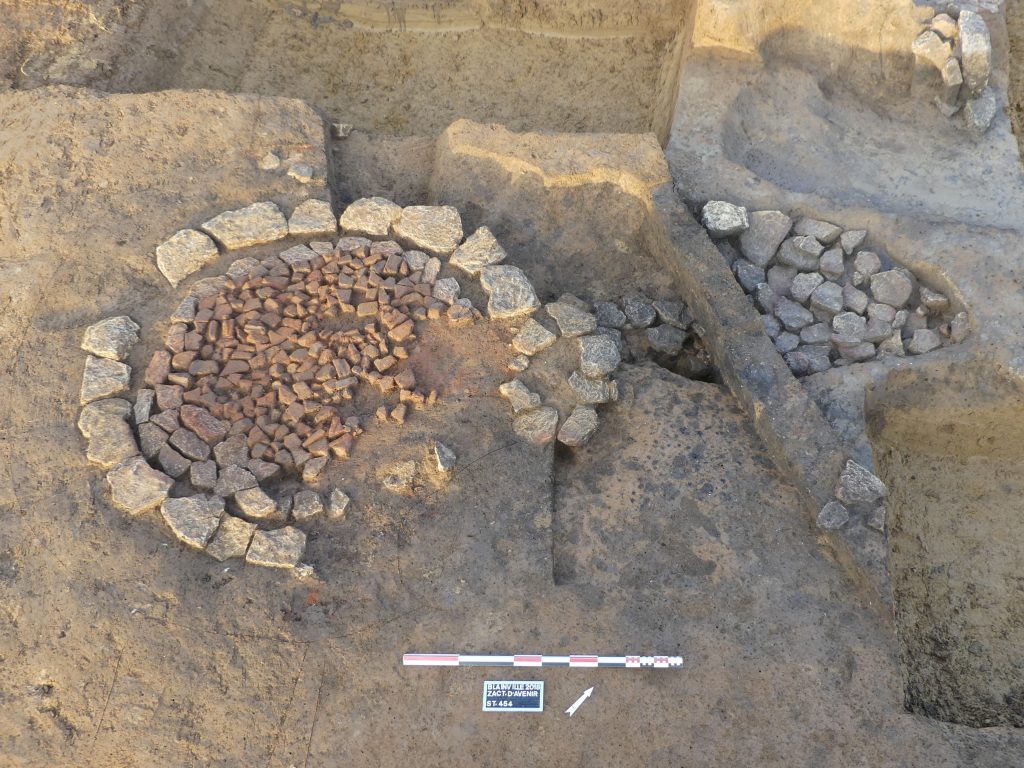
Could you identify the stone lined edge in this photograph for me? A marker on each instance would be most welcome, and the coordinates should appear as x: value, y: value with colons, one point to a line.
x: 799, y: 439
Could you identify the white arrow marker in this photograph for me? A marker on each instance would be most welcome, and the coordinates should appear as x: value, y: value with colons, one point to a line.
x: 576, y: 704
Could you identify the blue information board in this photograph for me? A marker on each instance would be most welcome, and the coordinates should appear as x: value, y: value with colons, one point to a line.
x: 514, y: 696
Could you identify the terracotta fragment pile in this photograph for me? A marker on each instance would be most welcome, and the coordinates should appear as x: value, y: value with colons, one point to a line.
x: 275, y: 355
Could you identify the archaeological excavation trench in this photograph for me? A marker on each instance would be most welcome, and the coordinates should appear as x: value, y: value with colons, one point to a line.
x: 342, y: 330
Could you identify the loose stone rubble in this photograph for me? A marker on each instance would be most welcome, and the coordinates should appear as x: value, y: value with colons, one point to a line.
x: 954, y: 59
x: 826, y: 301
x: 186, y: 251
x: 193, y: 519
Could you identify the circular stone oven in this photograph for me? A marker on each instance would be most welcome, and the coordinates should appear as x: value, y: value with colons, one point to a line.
x: 276, y: 368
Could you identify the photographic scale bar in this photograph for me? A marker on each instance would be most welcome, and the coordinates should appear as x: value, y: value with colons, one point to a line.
x: 527, y: 660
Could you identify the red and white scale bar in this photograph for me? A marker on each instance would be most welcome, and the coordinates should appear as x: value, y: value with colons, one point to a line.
x: 527, y: 660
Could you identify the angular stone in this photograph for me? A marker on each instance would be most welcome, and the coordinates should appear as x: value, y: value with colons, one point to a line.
x: 934, y: 301
x: 640, y: 313
x: 136, y: 487
x: 112, y: 338
x: 519, y: 363
x: 808, y: 358
x: 772, y: 326
x: 189, y: 444
x: 781, y: 278
x: 370, y: 217
x: 231, y: 539
x: 893, y: 346
x: 881, y: 312
x: 185, y: 312
x: 306, y: 505
x: 931, y: 48
x: 672, y: 313
x: 579, y: 427
x: 172, y: 462
x: 436, y: 229
x: 849, y: 324
x: 855, y: 299
x: 151, y: 439
x: 239, y: 269
x: 798, y: 252
x: 877, y: 331
x: 432, y: 270
x: 233, y: 479
x: 263, y: 470
x: 281, y: 548
x: 944, y: 25
x: 510, y: 293
x: 614, y: 334
x: 338, y: 503
x: 748, y: 275
x: 480, y: 250
x: 924, y: 340
x: 792, y: 316
x: 519, y: 396
x: 664, y: 339
x: 447, y: 290
x: 762, y: 239
x: 571, y: 320
x: 852, y: 239
x: 538, y: 427
x: 952, y: 82
x: 417, y: 260
x: 255, y: 224
x: 764, y: 298
x: 831, y: 264
x: 833, y: 516
x: 858, y: 486
x: 822, y: 231
x: 891, y: 287
x: 313, y: 469
x: 208, y: 428
x: 975, y: 51
x: 193, y: 519
x: 231, y: 451
x: 592, y: 391
x: 185, y: 252
x: 103, y: 378
x: 143, y: 406
x: 804, y: 284
x: 980, y: 111
x: 827, y: 298
x: 722, y: 219
x: 444, y: 458
x: 819, y: 333
x: 609, y: 315
x: 110, y: 439
x: 269, y: 162
x: 852, y: 349
x: 532, y: 338
x: 302, y: 172
x: 312, y: 218
x: 254, y: 502
x: 787, y: 342
x: 599, y: 355
x: 297, y: 255
x: 203, y: 475
x: 876, y: 519
x: 208, y: 286
x: 400, y: 477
